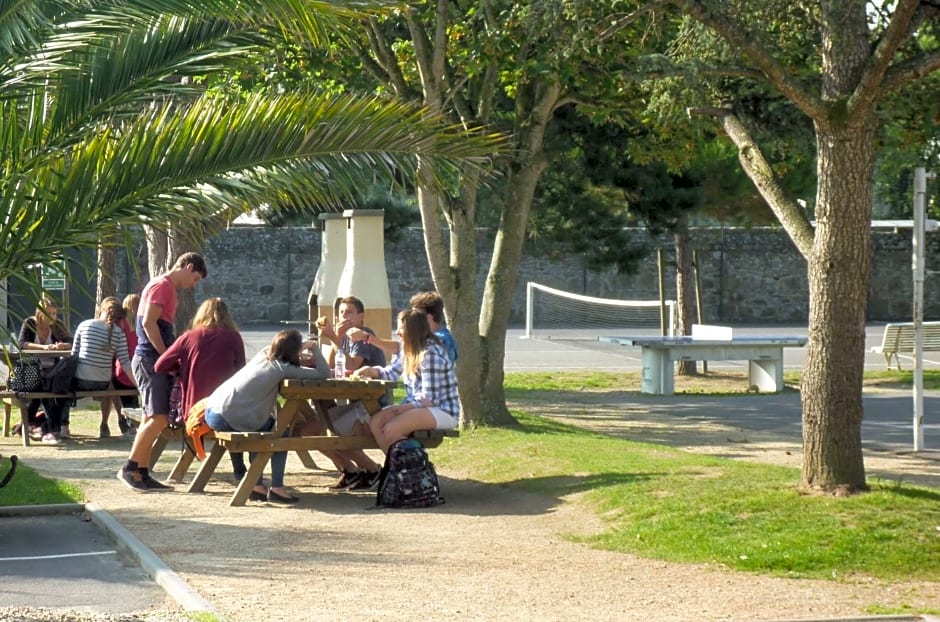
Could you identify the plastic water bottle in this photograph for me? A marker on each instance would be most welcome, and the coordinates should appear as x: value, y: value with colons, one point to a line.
x: 339, y: 364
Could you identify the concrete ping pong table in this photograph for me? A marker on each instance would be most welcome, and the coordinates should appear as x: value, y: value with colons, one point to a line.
x: 710, y: 343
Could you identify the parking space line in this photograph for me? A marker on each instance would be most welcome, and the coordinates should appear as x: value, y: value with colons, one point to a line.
x: 62, y: 556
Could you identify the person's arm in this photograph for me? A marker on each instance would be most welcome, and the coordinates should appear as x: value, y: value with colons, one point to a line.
x: 391, y: 371
x: 151, y: 315
x: 170, y: 359
x: 27, y: 336
x: 312, y: 357
x: 389, y: 346
x: 60, y: 336
x: 434, y: 377
x: 120, y: 348
x: 77, y: 342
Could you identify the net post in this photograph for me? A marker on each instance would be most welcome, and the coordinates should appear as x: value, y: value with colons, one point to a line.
x: 528, y: 310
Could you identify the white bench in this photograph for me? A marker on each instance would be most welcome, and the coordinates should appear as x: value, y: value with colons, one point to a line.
x: 898, y: 340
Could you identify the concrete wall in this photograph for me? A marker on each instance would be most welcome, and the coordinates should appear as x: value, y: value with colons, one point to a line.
x: 747, y: 275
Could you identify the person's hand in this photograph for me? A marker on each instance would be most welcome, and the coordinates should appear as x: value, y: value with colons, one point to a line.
x: 366, y: 372
x: 326, y: 330
x: 357, y: 334
x: 307, y: 359
x: 342, y: 328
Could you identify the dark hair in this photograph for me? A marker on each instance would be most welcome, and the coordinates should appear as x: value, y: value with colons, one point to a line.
x: 286, y: 346
x: 197, y: 261
x: 352, y: 300
x: 430, y: 303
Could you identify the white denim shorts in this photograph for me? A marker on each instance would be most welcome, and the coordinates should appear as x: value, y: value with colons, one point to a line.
x: 443, y: 420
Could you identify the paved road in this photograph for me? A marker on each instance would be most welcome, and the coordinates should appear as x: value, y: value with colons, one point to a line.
x: 65, y: 561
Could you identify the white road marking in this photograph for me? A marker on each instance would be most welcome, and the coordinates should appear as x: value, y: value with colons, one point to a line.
x: 62, y: 556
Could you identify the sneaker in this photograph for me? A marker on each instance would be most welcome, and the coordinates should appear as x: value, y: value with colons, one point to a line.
x: 152, y: 484
x: 104, y: 431
x: 35, y: 433
x: 64, y: 432
x: 367, y: 481
x: 347, y: 479
x: 132, y: 479
x: 49, y: 439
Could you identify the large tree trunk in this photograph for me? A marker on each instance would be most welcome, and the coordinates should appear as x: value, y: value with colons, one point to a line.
x: 535, y: 108
x: 838, y: 284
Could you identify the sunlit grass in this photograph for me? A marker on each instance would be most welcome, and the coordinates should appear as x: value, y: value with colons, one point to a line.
x: 29, y: 488
x: 673, y: 505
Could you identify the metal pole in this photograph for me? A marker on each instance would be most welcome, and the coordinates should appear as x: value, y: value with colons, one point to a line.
x: 917, y: 262
x: 529, y: 308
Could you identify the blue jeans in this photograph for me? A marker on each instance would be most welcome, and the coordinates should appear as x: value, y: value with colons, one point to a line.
x: 278, y: 459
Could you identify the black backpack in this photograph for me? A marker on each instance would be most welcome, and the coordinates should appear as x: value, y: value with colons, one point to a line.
x: 408, y: 478
x: 60, y: 377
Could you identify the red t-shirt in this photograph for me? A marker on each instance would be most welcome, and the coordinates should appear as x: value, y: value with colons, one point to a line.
x: 159, y: 291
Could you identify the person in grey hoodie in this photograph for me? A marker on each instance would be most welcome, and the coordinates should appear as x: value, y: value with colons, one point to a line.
x: 246, y: 402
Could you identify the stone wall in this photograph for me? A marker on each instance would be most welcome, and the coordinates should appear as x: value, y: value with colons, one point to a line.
x: 747, y: 275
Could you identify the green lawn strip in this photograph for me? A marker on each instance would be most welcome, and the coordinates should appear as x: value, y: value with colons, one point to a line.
x: 673, y: 505
x: 521, y: 384
x: 29, y: 488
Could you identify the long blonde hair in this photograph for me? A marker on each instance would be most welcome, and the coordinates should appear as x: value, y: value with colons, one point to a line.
x: 110, y: 311
x: 213, y: 313
x: 415, y: 334
x: 130, y: 304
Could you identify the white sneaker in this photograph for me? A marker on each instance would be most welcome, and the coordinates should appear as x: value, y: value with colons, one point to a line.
x: 49, y: 439
x: 64, y: 432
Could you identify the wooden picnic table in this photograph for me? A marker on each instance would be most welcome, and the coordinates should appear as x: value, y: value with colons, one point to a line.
x: 298, y: 396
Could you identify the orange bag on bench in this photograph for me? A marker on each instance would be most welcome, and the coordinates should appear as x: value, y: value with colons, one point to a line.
x: 196, y: 427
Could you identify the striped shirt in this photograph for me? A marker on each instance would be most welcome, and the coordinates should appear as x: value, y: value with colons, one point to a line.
x: 95, y: 356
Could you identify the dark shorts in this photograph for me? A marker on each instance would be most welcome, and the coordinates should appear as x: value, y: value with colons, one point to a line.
x: 127, y: 401
x: 154, y: 387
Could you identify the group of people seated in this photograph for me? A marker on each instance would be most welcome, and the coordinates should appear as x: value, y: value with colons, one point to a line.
x: 209, y: 363
x: 102, y: 346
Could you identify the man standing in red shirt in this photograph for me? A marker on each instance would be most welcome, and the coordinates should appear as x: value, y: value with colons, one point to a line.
x: 155, y: 333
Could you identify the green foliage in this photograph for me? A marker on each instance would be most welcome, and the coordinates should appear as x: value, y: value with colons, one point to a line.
x: 100, y: 132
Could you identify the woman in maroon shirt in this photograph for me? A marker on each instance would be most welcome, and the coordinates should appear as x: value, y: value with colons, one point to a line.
x: 206, y: 355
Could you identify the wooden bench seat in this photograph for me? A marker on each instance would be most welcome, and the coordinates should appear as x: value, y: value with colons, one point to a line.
x: 898, y: 341
x: 22, y: 400
x: 266, y: 443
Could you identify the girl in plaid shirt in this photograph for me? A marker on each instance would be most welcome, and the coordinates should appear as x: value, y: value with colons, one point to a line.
x: 428, y: 374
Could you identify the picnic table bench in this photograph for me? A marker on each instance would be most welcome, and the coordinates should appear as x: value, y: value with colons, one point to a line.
x: 22, y: 400
x: 298, y: 395
x: 898, y: 340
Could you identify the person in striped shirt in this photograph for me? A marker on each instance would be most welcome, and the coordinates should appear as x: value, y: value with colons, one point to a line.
x: 97, y: 342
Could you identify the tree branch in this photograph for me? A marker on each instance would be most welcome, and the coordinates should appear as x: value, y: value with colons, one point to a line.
x: 898, y: 31
x: 747, y: 41
x: 752, y: 159
x: 911, y: 70
x: 386, y: 63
